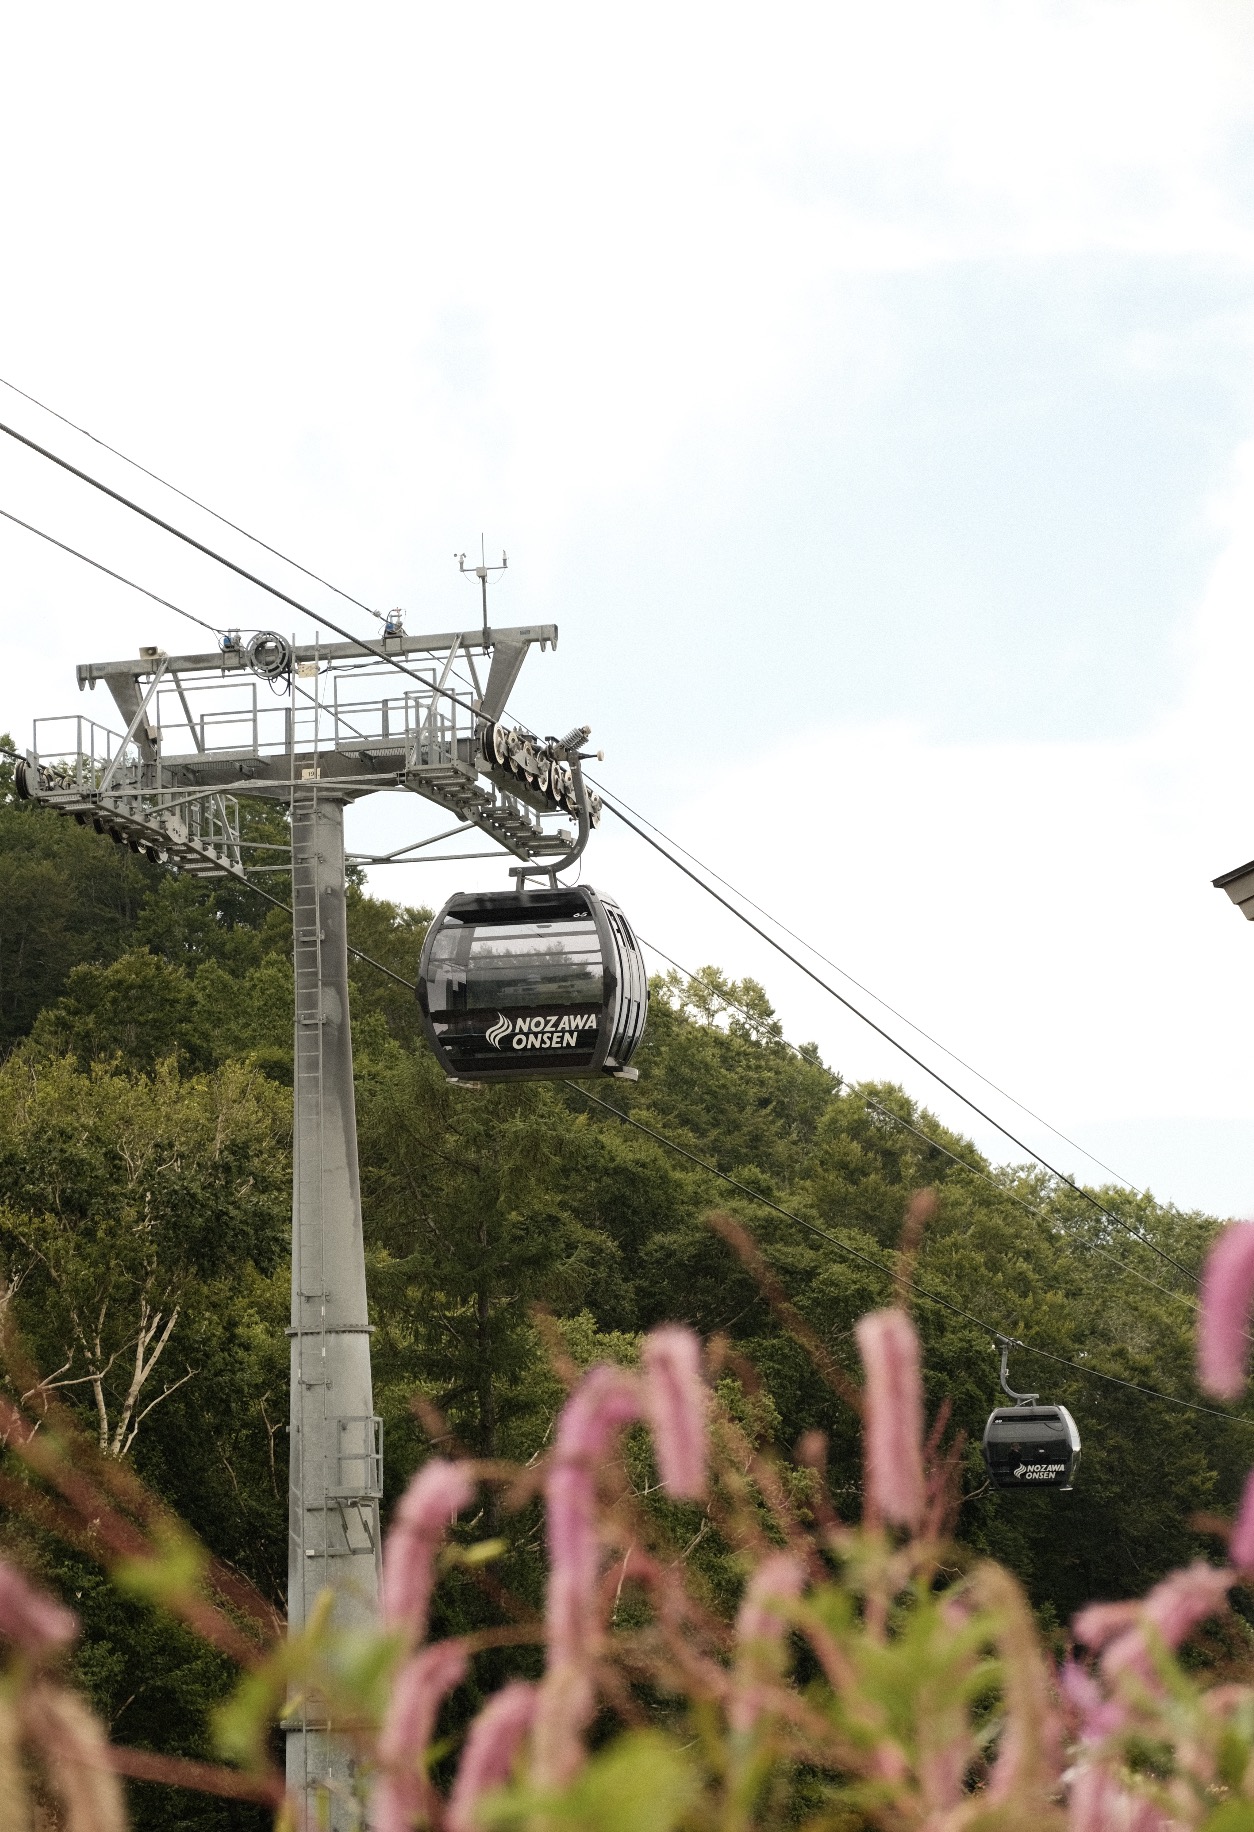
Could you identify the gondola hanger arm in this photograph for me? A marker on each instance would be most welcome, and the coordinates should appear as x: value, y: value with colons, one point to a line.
x: 550, y: 870
x: 1006, y: 1343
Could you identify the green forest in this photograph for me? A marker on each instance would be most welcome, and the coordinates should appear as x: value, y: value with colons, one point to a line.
x: 145, y: 1167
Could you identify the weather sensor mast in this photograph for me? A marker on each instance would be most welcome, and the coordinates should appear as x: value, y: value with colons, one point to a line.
x: 481, y: 573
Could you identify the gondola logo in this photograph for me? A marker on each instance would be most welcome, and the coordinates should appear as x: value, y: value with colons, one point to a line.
x: 559, y: 1031
x: 1038, y: 1472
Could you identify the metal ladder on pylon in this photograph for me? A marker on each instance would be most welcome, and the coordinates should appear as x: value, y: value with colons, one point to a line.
x: 308, y: 1114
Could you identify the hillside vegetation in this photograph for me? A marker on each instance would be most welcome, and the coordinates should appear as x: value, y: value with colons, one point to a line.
x: 144, y: 1202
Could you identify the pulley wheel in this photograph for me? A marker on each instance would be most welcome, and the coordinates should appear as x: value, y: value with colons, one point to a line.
x: 269, y: 655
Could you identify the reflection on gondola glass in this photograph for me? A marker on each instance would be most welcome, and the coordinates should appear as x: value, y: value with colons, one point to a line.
x: 532, y: 983
x: 511, y: 964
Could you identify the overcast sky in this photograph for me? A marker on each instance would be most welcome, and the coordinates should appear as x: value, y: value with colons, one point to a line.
x: 865, y: 392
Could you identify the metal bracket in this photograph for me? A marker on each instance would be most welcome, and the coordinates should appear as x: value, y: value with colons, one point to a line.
x: 359, y: 1459
x: 139, y: 728
x: 1020, y: 1399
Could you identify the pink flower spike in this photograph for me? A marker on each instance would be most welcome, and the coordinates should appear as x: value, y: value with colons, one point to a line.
x: 606, y: 1399
x: 1098, y: 1623
x: 423, y: 1516
x: 761, y: 1625
x: 30, y: 1618
x: 778, y: 1581
x: 1227, y: 1295
x: 566, y: 1706
x: 1097, y: 1803
x: 676, y: 1401
x: 402, y: 1791
x: 1097, y: 1715
x: 1185, y: 1598
x: 1174, y: 1609
x: 892, y: 1432
x: 1079, y: 1688
x: 492, y: 1747
x: 1241, y: 1539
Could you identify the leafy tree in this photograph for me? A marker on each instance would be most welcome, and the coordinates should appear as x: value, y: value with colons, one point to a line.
x: 68, y: 898
x: 467, y: 1231
x: 125, y: 1200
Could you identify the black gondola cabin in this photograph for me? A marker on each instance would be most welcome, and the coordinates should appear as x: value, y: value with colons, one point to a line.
x: 1031, y: 1447
x: 532, y: 984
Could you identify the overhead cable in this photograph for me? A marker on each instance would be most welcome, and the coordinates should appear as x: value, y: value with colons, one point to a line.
x: 381, y: 654
x: 120, y: 577
x: 348, y: 597
x: 891, y: 1009
x: 901, y: 1278
x: 360, y: 642
x: 925, y: 1138
x: 368, y: 648
x: 188, y: 498
x: 888, y: 1037
x: 931, y: 1297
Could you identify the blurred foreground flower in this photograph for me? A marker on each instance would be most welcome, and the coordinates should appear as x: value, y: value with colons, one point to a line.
x: 892, y: 1417
x: 1227, y: 1295
x: 799, y: 1670
x: 426, y: 1510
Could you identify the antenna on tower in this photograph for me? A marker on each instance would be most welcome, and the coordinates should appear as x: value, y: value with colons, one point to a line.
x: 481, y: 572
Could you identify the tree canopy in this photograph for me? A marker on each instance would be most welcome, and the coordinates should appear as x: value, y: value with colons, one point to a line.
x: 145, y: 1166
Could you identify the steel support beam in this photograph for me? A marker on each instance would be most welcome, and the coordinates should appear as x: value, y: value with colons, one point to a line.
x: 336, y: 1460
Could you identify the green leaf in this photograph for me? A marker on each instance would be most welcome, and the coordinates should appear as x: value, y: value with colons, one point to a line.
x: 174, y: 1573
x: 1233, y: 1758
x: 642, y: 1783
x: 1232, y: 1816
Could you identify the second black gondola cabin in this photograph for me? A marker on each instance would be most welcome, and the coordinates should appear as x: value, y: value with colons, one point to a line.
x: 542, y: 984
x: 1031, y: 1447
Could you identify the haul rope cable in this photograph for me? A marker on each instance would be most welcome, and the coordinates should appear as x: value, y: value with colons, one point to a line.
x: 900, y: 1278
x: 887, y: 1113
x: 360, y: 642
x: 434, y: 858
x: 862, y: 987
x: 348, y: 597
x: 368, y: 648
x: 120, y: 577
x: 889, y: 1038
x: 866, y: 1259
x: 187, y: 498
